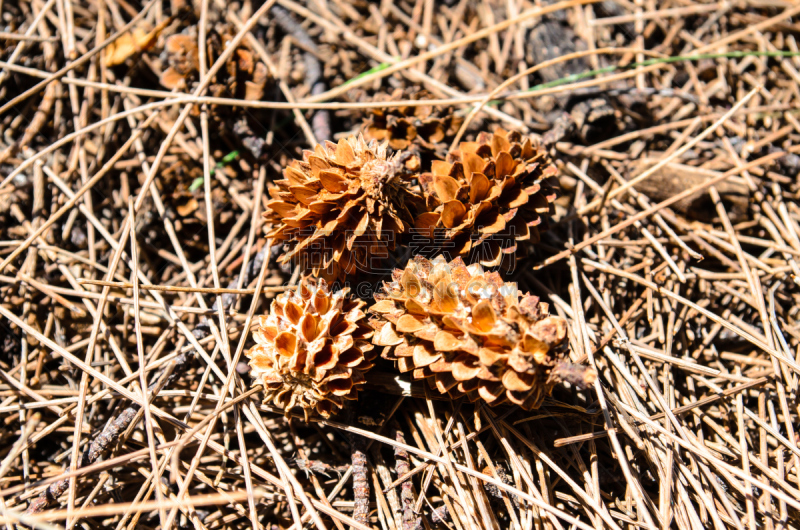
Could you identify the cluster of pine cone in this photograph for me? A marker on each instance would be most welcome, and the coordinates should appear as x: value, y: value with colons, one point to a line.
x: 345, y: 206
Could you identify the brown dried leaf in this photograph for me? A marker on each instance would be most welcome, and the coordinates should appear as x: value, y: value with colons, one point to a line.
x: 128, y: 44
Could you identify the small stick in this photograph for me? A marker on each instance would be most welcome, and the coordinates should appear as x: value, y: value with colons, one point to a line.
x: 122, y: 422
x: 105, y: 439
x: 321, y: 121
x: 360, y: 481
x: 178, y: 288
x: 16, y: 36
x: 406, y: 493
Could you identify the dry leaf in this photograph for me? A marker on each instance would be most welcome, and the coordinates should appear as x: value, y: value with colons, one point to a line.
x: 187, y: 208
x: 131, y: 42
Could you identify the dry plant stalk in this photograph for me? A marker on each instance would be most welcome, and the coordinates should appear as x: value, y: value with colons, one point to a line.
x: 406, y: 488
x: 360, y: 480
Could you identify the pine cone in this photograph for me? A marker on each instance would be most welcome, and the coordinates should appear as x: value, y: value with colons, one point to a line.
x: 488, y: 195
x: 468, y: 332
x: 244, y: 76
x: 313, y: 348
x: 424, y: 126
x: 342, y: 207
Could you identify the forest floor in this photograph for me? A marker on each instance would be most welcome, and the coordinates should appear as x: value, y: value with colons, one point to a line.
x: 137, y: 141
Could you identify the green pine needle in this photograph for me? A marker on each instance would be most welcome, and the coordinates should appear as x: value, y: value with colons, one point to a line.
x: 380, y: 67
x: 227, y: 159
x: 661, y: 60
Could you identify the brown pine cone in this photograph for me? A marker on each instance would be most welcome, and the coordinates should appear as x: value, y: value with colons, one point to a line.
x: 466, y: 331
x: 313, y: 348
x: 423, y: 126
x: 489, y: 195
x: 244, y: 77
x: 342, y: 208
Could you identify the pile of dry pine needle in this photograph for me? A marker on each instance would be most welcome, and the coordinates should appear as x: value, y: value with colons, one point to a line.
x: 673, y: 256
